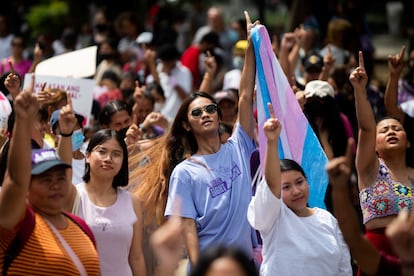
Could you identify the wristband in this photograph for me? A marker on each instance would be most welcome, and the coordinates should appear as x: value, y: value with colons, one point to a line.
x: 66, y: 135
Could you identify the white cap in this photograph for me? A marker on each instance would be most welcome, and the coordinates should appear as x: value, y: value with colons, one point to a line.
x: 144, y: 37
x: 319, y: 88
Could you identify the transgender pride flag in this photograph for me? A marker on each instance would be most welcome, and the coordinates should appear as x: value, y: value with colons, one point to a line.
x: 297, y: 140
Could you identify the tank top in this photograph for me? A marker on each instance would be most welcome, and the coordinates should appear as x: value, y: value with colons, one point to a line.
x: 385, y: 196
x: 112, y: 227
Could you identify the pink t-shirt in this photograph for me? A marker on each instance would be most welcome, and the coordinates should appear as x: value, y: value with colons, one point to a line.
x: 21, y: 67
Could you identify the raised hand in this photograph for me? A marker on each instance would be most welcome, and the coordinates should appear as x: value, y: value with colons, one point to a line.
x: 329, y: 60
x: 210, y: 64
x: 339, y: 169
x: 134, y: 133
x: 12, y: 82
x: 400, y: 232
x: 272, y: 126
x: 249, y: 25
x: 67, y: 118
x: 358, y: 77
x: 396, y: 62
x: 26, y: 105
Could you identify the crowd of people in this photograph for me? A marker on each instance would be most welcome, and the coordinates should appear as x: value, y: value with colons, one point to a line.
x: 165, y: 169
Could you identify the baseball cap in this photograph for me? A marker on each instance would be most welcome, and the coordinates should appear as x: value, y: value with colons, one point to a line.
x: 54, y: 119
x: 144, y: 38
x: 313, y: 61
x: 45, y: 159
x: 319, y: 88
x: 240, y: 47
x: 225, y: 95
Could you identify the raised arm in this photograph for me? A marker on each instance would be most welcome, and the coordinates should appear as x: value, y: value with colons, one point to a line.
x: 272, y: 128
x: 67, y: 122
x: 366, y: 159
x: 247, y: 82
x: 17, y: 180
x: 395, y: 67
x: 339, y: 170
x: 211, y: 67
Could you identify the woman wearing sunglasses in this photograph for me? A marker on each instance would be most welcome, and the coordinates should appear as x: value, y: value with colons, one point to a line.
x: 211, y: 179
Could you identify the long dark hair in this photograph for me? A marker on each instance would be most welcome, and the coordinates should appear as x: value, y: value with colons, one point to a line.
x: 100, y: 137
x: 326, y: 109
x: 180, y: 142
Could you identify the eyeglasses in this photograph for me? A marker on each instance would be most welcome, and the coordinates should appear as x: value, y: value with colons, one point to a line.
x: 104, y: 153
x: 210, y: 109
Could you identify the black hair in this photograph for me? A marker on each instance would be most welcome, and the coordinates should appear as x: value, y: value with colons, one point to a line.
x: 326, y: 109
x: 214, y: 253
x: 179, y: 140
x: 112, y: 76
x: 211, y: 38
x: 110, y: 109
x: 100, y: 137
x: 168, y: 52
x: 155, y: 86
x: 390, y: 117
x: 291, y: 165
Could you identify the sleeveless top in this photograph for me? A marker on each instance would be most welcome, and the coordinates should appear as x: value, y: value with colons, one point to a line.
x: 112, y: 227
x: 385, y: 197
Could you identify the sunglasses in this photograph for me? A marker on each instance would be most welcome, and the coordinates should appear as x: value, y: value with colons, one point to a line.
x: 210, y: 109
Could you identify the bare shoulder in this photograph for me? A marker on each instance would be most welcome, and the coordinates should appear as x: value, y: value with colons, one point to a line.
x: 136, y: 203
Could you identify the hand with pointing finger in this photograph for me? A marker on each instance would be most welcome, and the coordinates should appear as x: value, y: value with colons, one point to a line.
x: 25, y: 104
x: 272, y: 126
x: 358, y: 77
x: 12, y: 82
x: 67, y: 118
x: 396, y: 62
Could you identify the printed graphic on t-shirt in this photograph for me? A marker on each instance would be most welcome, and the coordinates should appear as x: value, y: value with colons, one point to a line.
x: 219, y: 186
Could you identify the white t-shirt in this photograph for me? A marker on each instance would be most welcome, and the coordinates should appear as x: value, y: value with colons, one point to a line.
x: 295, y: 245
x: 181, y: 76
x: 78, y: 169
x: 113, y: 229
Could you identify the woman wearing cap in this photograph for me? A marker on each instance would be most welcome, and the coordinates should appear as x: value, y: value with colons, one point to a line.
x: 385, y: 182
x: 56, y: 244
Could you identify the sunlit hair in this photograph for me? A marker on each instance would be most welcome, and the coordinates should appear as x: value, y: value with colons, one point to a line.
x: 291, y: 165
x: 100, y: 137
x: 153, y: 166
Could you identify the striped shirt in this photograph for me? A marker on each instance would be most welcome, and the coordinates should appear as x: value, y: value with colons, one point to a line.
x: 43, y: 253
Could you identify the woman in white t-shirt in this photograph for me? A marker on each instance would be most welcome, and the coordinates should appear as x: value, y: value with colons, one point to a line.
x: 297, y: 239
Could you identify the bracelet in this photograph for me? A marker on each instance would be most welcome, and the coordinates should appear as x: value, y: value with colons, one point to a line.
x: 142, y: 128
x: 66, y: 135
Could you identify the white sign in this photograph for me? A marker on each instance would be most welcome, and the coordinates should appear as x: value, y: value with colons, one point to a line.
x: 81, y: 91
x: 76, y: 64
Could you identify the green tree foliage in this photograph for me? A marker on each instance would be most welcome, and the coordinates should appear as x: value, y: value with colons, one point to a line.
x: 47, y: 17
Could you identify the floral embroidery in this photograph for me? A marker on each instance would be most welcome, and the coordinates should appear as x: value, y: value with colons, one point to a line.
x: 402, y: 190
x: 381, y: 188
x: 404, y: 204
x: 381, y: 206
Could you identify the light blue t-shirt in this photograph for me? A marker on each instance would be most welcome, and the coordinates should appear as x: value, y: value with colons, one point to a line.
x: 215, y: 191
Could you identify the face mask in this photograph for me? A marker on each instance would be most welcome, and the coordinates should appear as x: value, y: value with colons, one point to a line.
x: 238, y: 63
x: 77, y: 139
x: 158, y: 107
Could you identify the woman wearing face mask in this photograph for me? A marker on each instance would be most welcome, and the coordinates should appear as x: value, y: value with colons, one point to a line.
x: 77, y: 137
x: 289, y: 228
